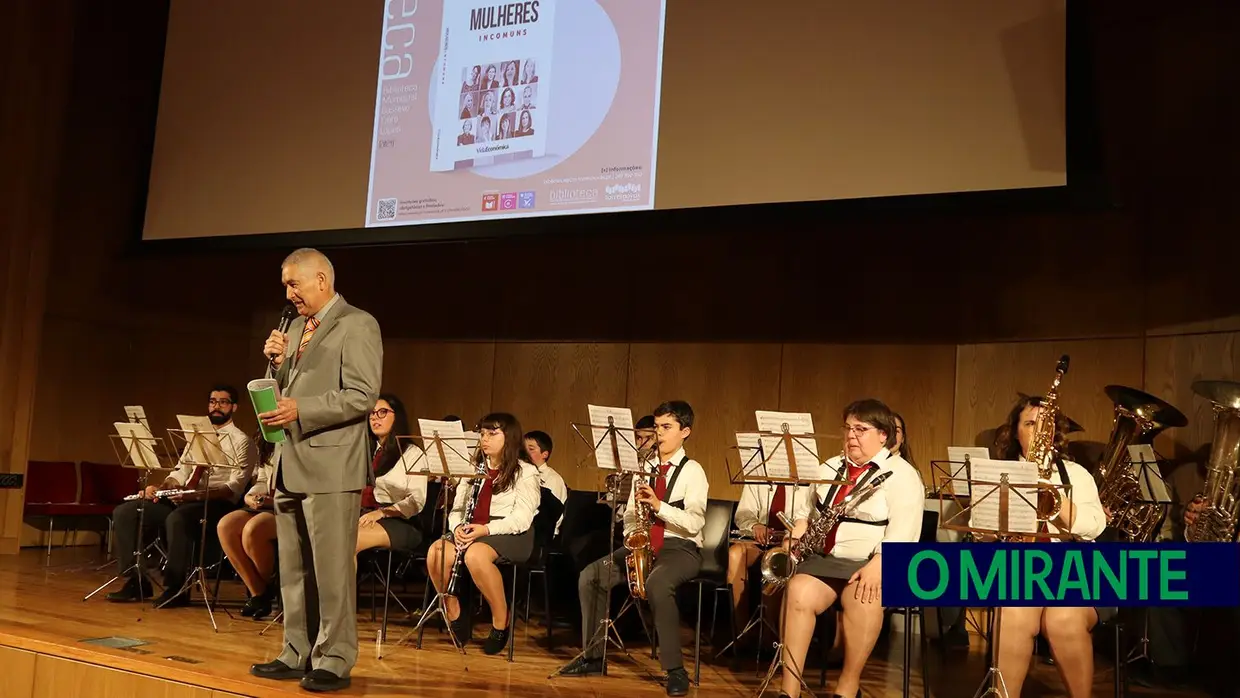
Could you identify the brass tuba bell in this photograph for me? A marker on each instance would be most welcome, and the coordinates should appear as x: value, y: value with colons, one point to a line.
x: 1138, y: 415
x: 1217, y: 523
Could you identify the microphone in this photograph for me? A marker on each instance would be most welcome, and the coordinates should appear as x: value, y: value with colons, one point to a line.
x: 286, y: 319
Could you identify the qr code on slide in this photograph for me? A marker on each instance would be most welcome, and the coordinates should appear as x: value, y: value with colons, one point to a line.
x: 387, y: 210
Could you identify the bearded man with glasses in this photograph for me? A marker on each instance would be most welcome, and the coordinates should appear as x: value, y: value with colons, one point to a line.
x: 182, y: 514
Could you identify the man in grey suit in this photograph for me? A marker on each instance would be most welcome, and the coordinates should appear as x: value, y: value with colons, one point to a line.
x: 329, y: 378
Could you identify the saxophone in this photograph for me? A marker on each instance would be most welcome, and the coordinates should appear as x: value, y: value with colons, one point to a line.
x: 779, y: 565
x: 481, y: 469
x: 1217, y: 523
x: 640, y: 559
x: 1042, y: 451
x: 1137, y: 414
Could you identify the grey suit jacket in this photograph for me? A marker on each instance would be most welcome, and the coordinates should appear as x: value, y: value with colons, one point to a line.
x: 336, y: 384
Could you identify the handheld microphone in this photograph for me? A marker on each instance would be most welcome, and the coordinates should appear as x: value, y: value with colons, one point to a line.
x: 286, y: 319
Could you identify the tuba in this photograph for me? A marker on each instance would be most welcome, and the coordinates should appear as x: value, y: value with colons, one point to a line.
x: 1217, y: 523
x: 640, y: 559
x: 1042, y: 450
x: 1137, y: 415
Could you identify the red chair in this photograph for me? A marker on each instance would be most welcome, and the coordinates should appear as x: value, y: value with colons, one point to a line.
x: 51, y: 491
x: 104, y: 487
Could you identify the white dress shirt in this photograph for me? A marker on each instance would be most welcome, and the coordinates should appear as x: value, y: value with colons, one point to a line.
x: 755, y: 505
x: 900, y: 500
x: 1090, y: 520
x: 236, y: 448
x: 261, y: 486
x: 512, y: 511
x: 692, y: 487
x: 399, y: 489
x: 550, y: 479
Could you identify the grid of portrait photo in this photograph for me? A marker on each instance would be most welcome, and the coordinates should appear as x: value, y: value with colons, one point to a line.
x: 498, y: 101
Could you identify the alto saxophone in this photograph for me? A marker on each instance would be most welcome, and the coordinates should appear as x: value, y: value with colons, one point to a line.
x: 779, y: 565
x: 640, y: 559
x: 1217, y: 523
x: 1042, y: 450
x: 454, y: 581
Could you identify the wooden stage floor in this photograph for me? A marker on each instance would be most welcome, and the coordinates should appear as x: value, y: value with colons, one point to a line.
x: 43, y: 615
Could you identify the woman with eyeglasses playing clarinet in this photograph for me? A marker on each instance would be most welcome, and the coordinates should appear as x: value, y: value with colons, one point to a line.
x: 498, y: 531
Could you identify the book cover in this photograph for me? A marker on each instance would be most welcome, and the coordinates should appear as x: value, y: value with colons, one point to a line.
x: 494, y: 81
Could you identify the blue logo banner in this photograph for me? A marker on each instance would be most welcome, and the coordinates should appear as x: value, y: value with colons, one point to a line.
x: 1061, y: 574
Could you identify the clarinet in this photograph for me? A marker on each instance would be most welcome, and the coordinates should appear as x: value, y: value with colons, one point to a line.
x: 455, y: 579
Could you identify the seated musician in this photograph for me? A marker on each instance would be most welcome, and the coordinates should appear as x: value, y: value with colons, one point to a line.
x: 500, y: 529
x: 678, y: 505
x: 248, y: 537
x: 849, y: 566
x: 1066, y: 629
x: 393, y: 503
x: 180, y: 514
x: 538, y: 447
x: 756, y: 519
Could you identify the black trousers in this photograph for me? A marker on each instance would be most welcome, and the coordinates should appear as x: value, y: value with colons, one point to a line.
x: 678, y: 562
x: 181, y: 530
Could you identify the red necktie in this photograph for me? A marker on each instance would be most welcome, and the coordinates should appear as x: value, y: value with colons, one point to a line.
x: 660, y: 491
x: 368, y: 494
x: 482, y: 510
x: 777, y: 505
x: 854, y: 472
x: 194, y: 477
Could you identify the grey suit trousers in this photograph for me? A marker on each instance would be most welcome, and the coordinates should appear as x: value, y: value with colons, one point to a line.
x: 317, y: 534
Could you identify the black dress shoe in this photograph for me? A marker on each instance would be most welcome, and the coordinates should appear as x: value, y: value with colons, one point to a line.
x: 323, y: 681
x: 496, y: 641
x: 678, y: 682
x: 171, y: 599
x: 276, y: 670
x: 461, y: 630
x: 259, y: 607
x: 583, y: 667
x: 132, y: 591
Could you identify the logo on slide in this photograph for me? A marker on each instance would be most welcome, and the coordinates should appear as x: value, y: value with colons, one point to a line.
x: 526, y: 200
x: 508, y: 201
x: 623, y: 192
x: 490, y: 202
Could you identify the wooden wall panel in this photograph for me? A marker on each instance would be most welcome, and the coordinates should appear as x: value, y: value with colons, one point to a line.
x: 17, y: 679
x: 34, y: 89
x: 56, y: 677
x: 916, y: 381
x: 989, y: 376
x: 435, y: 379
x: 548, y: 386
x: 1172, y: 364
x: 724, y: 383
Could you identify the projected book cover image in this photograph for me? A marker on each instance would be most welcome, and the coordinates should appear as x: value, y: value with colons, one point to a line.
x: 493, y: 94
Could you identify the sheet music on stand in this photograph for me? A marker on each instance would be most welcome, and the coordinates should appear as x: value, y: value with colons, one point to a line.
x: 964, y: 456
x: 447, y: 450
x: 137, y: 413
x: 784, y: 450
x: 988, y: 511
x: 1144, y: 463
x: 139, y: 448
x: 620, y: 452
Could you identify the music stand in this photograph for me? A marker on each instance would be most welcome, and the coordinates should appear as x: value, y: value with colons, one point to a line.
x: 444, y: 454
x: 204, y: 450
x: 1154, y: 492
x: 997, y: 491
x: 136, y: 447
x: 774, y: 462
x: 611, y: 444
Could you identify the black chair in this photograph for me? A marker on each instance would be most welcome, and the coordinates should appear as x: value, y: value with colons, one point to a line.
x: 549, y: 510
x: 714, y: 568
x: 544, y: 533
x: 929, y: 534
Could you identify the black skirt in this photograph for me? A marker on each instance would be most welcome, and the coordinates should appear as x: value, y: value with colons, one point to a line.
x: 514, y: 549
x: 402, y: 533
x: 829, y: 567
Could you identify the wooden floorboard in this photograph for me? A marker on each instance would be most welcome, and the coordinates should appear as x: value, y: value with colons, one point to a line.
x: 41, y: 610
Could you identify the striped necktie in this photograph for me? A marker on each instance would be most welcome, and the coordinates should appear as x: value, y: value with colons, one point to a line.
x: 311, y: 325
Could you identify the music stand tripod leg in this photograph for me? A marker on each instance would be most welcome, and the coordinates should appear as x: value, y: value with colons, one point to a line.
x: 992, y: 682
x: 197, y: 576
x: 777, y: 662
x: 439, y: 604
x: 139, y: 551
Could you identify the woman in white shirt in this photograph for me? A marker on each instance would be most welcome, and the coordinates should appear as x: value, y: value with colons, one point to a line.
x: 500, y: 529
x: 849, y: 568
x: 248, y: 537
x: 393, y: 503
x: 1067, y: 630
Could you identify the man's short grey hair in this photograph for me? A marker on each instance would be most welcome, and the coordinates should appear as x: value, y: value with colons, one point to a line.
x: 310, y: 257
